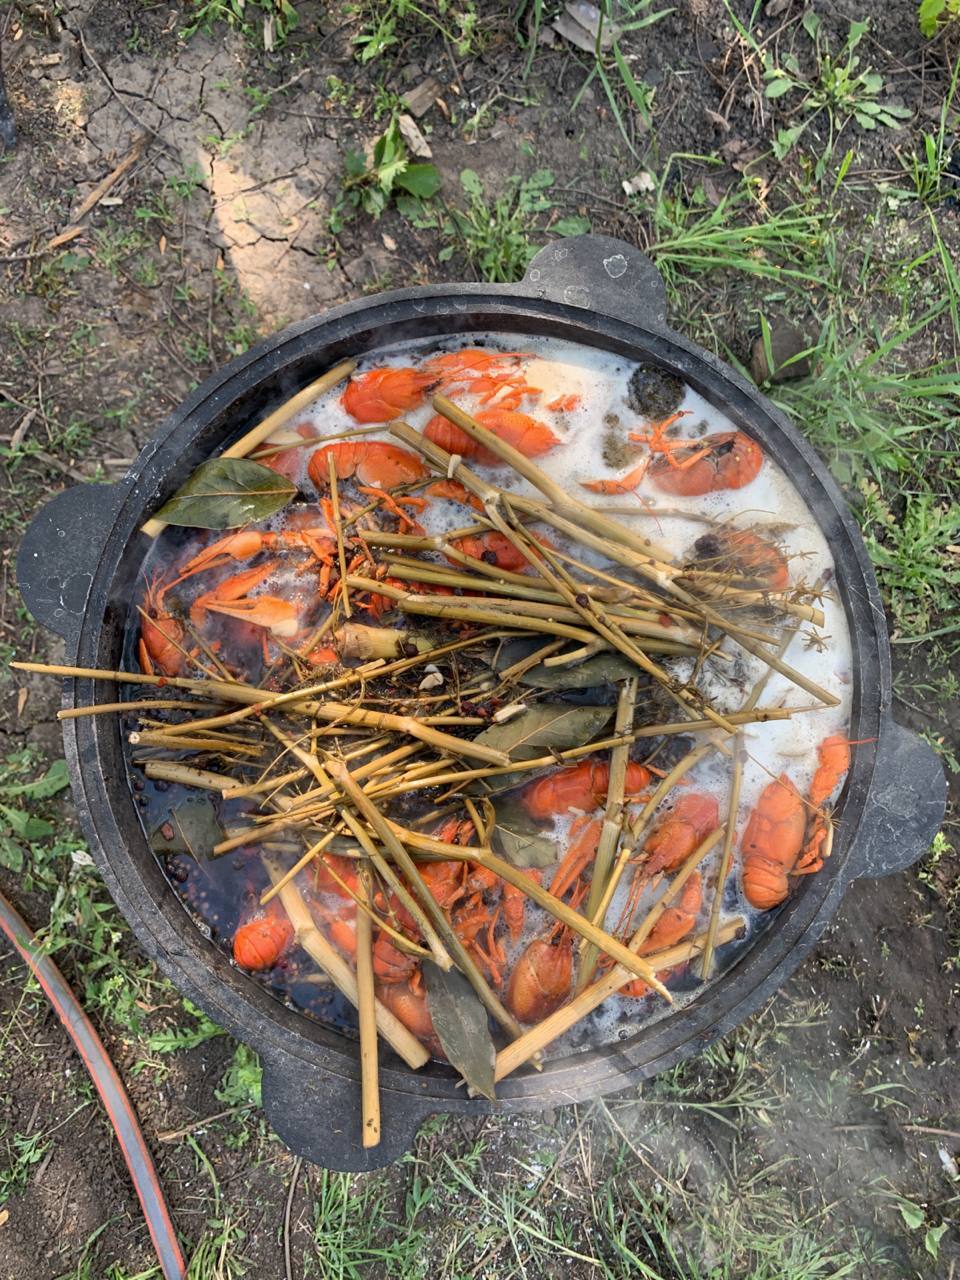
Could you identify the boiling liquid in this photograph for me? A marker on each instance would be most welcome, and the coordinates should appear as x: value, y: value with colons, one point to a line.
x: 593, y: 446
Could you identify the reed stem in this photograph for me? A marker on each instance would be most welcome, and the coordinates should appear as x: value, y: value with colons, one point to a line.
x: 329, y: 960
x: 341, y: 549
x: 367, y: 1011
x: 121, y: 708
x: 272, y: 422
x: 568, y: 1015
x: 185, y: 775
x: 612, y: 823
x: 385, y: 831
x: 726, y: 857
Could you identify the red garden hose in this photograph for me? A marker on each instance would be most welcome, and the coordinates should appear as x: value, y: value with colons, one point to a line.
x: 115, y: 1098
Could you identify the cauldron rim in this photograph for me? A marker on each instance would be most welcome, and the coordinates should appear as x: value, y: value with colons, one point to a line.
x: 565, y: 294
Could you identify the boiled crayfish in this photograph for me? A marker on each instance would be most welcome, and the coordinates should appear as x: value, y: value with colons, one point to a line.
x: 773, y: 846
x: 581, y: 786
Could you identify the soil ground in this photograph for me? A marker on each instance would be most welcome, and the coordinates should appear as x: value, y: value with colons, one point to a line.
x: 823, y: 1137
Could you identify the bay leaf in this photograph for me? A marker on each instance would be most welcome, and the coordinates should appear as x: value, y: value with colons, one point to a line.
x: 518, y: 838
x: 601, y: 669
x: 510, y: 651
x: 540, y: 729
x: 549, y: 726
x: 462, y: 1027
x: 225, y: 493
x: 192, y: 827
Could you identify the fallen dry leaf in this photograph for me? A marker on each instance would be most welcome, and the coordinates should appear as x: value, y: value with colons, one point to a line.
x: 580, y: 23
x: 720, y: 121
x: 739, y: 154
x: 421, y: 99
x: 410, y: 131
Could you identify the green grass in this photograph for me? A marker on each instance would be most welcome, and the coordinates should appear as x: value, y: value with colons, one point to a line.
x: 354, y: 1235
x: 385, y: 25
x: 218, y: 1255
x: 498, y: 234
x: 261, y: 21
x: 22, y: 1152
x: 579, y: 1197
x: 84, y: 931
x: 752, y: 1231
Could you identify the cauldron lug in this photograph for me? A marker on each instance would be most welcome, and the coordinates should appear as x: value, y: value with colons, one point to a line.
x: 317, y: 1115
x: 908, y: 795
x: 59, y: 553
x: 602, y: 274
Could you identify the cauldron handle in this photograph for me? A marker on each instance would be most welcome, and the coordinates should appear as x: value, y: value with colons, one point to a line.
x: 599, y: 273
x: 317, y: 1115
x: 905, y: 806
x: 60, y: 551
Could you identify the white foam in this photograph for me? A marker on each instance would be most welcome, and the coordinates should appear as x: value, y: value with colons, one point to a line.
x: 600, y: 380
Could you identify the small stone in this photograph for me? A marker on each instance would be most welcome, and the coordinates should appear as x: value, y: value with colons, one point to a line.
x: 641, y: 182
x: 786, y: 343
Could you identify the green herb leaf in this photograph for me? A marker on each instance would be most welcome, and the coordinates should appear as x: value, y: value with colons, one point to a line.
x: 226, y: 493
x: 518, y: 839
x: 592, y: 673
x: 811, y: 24
x: 460, y: 1021
x: 927, y: 15
x: 785, y: 140
x: 54, y: 780
x: 857, y: 31
x: 777, y: 88
x: 24, y: 825
x: 603, y: 668
x: 420, y: 180
x: 574, y: 225
x: 931, y: 1241
x: 911, y: 1213
x: 541, y: 729
x: 11, y: 854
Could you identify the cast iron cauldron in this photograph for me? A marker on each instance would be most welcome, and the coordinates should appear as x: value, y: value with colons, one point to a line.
x: 77, y: 567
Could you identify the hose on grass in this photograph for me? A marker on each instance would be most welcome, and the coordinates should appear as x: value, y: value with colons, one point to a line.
x: 114, y: 1096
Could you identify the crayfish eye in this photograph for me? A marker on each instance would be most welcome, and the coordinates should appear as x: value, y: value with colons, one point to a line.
x: 489, y: 557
